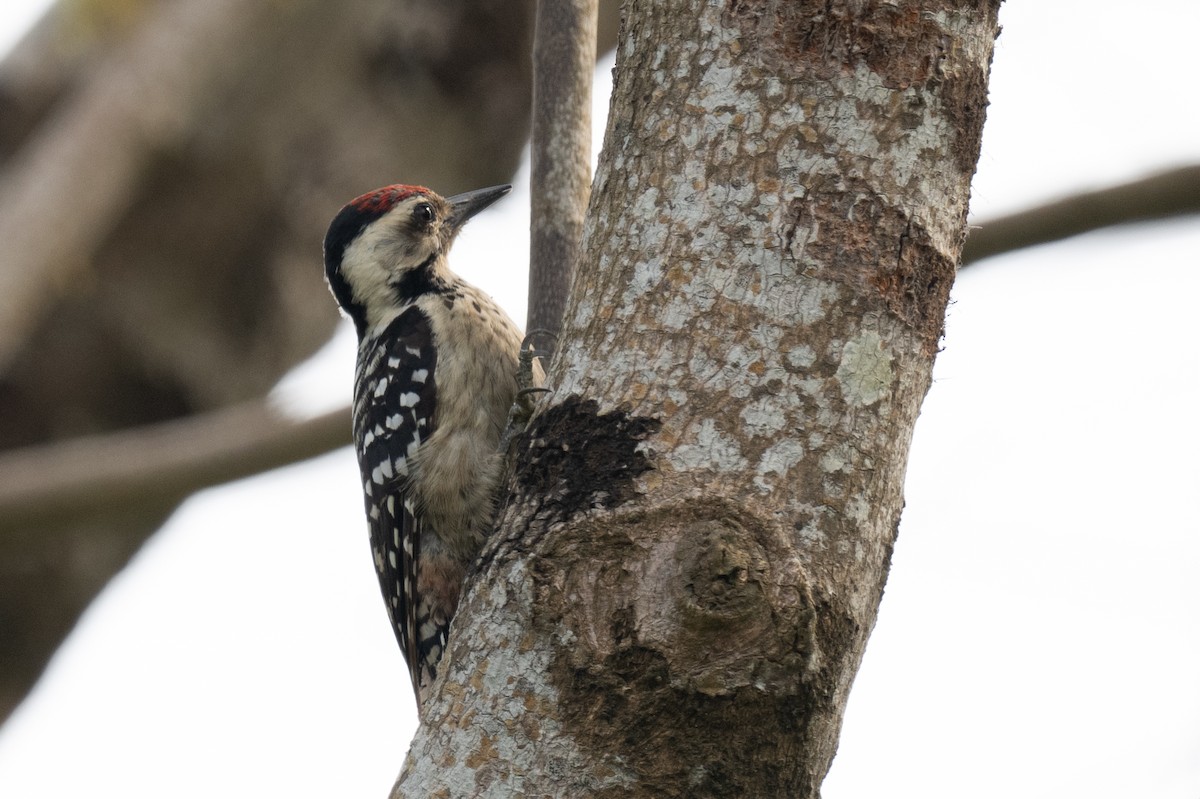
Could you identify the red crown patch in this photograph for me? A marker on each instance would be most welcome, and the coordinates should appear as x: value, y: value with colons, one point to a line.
x: 380, y: 200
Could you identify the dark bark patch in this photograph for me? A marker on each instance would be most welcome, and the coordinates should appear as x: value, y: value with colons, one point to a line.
x: 625, y: 708
x: 916, y: 285
x: 900, y: 43
x: 841, y: 639
x: 884, y: 256
x: 964, y: 100
x: 574, y: 458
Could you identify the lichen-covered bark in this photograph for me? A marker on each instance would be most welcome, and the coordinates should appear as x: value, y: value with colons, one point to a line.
x: 701, y: 518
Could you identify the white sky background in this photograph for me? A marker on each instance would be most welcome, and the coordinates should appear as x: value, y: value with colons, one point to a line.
x: 1040, y: 635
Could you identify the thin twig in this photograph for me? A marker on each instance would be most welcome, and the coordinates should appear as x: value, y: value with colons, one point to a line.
x: 564, y: 58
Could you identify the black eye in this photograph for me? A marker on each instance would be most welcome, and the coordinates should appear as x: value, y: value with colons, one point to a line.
x: 423, y: 214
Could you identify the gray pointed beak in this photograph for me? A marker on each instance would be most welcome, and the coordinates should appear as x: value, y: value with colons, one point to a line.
x: 466, y: 205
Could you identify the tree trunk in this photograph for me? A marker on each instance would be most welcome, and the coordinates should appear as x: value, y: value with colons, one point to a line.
x: 699, y: 527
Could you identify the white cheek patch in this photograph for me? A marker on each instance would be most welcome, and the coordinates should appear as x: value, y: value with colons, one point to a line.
x: 373, y: 262
x: 365, y: 265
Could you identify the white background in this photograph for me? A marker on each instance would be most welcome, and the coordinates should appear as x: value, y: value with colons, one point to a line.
x: 1040, y: 635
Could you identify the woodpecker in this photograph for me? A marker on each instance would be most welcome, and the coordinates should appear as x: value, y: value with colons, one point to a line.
x: 435, y: 379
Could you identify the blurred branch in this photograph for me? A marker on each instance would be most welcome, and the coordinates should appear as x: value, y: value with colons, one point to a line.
x: 564, y: 60
x: 159, y: 464
x: 1172, y: 193
x: 35, y: 75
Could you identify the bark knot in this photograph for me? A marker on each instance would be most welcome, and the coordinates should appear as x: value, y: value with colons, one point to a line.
x: 696, y: 613
x: 717, y: 593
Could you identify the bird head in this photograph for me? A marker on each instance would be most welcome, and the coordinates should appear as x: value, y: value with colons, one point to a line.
x: 388, y: 247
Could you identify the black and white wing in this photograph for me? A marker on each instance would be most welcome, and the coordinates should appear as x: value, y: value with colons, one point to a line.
x: 393, y: 414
